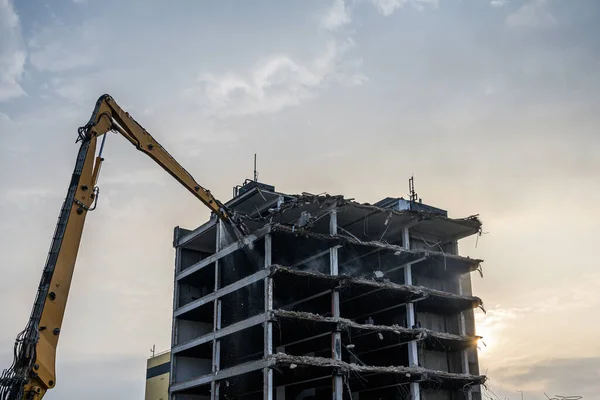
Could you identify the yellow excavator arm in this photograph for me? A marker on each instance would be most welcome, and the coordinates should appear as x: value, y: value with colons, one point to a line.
x: 33, y: 370
x: 109, y: 116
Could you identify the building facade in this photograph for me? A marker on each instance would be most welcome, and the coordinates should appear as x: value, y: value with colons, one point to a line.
x: 158, y: 369
x: 325, y: 298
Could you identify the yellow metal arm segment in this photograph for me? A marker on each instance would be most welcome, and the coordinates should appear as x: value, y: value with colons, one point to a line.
x: 108, y: 115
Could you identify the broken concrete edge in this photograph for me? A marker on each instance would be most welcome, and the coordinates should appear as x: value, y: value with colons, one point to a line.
x: 474, y: 264
x: 413, y: 373
x: 343, y: 324
x: 471, y: 221
x: 417, y: 333
x: 332, y: 201
x: 338, y: 201
x: 420, y: 291
x: 343, y: 239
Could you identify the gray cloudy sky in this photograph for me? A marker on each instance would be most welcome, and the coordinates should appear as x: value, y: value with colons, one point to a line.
x: 493, y: 105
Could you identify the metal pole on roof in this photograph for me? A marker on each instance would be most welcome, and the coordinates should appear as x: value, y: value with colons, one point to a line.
x: 255, y: 172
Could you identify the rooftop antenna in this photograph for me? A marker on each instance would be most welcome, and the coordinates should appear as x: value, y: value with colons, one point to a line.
x: 153, y: 350
x: 411, y: 189
x: 255, y: 172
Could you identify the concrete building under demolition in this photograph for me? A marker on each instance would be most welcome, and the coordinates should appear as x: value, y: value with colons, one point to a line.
x: 325, y: 298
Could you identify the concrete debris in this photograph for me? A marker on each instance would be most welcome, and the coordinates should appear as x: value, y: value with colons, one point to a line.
x: 416, y: 292
x: 327, y: 202
x: 341, y: 239
x: 344, y: 323
x: 411, y: 373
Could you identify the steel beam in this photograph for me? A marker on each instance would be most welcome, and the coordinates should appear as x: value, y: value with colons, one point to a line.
x: 259, y: 234
x: 304, y: 300
x: 223, y: 374
x: 255, y: 277
x: 320, y: 335
x: 185, y: 239
x: 312, y: 258
x: 228, y: 330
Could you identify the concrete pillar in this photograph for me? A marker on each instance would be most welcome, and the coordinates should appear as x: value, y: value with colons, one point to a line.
x: 216, y: 356
x: 268, y: 326
x: 174, y: 338
x: 413, y: 355
x: 462, y: 330
x: 336, y: 337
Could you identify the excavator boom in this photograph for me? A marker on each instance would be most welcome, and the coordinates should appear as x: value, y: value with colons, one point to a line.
x: 33, y: 370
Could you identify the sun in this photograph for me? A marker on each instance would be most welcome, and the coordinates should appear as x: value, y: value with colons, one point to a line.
x: 486, y: 343
x: 489, y: 326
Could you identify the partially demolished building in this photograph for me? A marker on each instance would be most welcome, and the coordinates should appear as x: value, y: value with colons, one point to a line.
x: 325, y: 298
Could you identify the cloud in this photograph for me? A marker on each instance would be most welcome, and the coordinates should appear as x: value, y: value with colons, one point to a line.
x: 27, y: 196
x: 6, y: 123
x: 54, y: 48
x: 151, y: 176
x: 12, y: 52
x: 388, y: 7
x: 532, y: 14
x: 499, y: 3
x: 493, y: 324
x: 77, y: 89
x: 280, y: 81
x: 337, y: 16
x: 277, y: 82
x: 500, y: 323
x: 11, y: 142
x: 556, y: 377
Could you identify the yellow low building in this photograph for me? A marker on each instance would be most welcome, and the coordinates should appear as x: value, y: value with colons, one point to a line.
x: 157, y: 376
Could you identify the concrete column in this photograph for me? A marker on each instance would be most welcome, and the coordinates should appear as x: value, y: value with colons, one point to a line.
x: 215, y: 387
x: 336, y: 337
x: 462, y: 330
x: 413, y: 355
x: 268, y: 326
x: 174, y: 333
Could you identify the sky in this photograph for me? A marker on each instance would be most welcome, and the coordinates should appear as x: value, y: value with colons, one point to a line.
x: 493, y: 105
